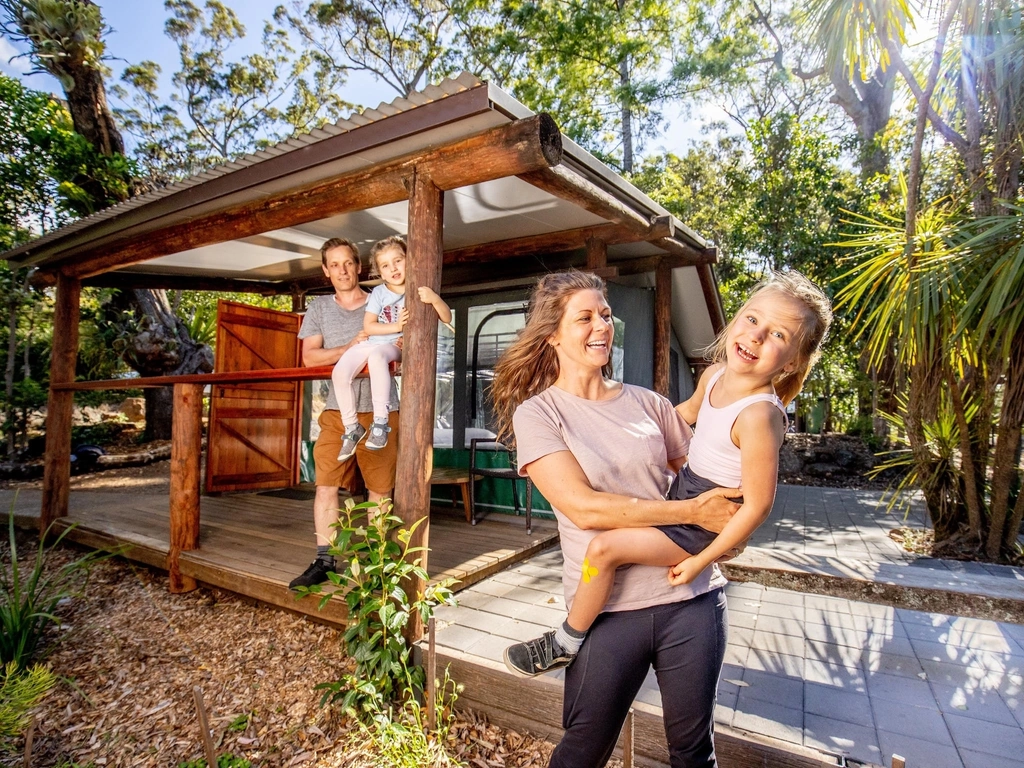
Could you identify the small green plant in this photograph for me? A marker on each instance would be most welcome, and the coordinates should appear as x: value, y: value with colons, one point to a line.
x: 20, y: 690
x: 402, y: 740
x: 239, y: 724
x: 375, y: 562
x: 227, y: 760
x: 29, y: 597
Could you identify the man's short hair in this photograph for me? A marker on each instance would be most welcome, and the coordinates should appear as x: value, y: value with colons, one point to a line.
x: 341, y: 242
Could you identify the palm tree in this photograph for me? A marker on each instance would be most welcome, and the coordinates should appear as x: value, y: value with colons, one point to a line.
x: 948, y: 287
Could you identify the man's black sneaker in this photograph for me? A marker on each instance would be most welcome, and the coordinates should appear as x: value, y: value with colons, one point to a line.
x: 315, y: 574
x: 537, y: 656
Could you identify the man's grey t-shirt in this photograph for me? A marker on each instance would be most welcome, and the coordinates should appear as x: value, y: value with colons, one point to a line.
x: 325, y: 317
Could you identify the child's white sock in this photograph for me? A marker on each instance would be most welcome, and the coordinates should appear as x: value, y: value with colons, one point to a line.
x: 569, y: 640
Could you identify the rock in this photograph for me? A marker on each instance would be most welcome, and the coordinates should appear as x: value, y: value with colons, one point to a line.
x: 134, y: 409
x: 825, y: 456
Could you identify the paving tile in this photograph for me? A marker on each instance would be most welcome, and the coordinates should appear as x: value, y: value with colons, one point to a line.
x: 969, y: 675
x: 917, y: 752
x: 459, y: 638
x: 783, y: 597
x: 983, y: 705
x: 744, y: 620
x: 981, y: 760
x: 769, y: 686
x: 770, y: 719
x: 780, y: 625
x: 1015, y: 703
x: 736, y: 654
x: 920, y: 722
x: 776, y: 643
x: 839, y: 704
x: 492, y: 587
x: 830, y: 652
x: 724, y: 710
x: 783, y: 611
x: 916, y: 693
x: 780, y: 663
x: 538, y: 614
x: 838, y: 737
x: 485, y: 622
x: 525, y: 594
x: 989, y: 738
x: 488, y: 647
x: 741, y: 635
x: 827, y: 673
x: 884, y: 663
x: 519, y: 631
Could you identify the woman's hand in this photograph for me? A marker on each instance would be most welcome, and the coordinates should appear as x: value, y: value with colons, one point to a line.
x: 715, y: 508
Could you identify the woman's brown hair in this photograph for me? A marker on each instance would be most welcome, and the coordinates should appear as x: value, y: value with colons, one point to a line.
x: 529, y: 365
x: 817, y: 319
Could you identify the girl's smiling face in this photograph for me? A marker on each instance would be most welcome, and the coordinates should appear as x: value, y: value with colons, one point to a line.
x: 391, y: 267
x: 585, y: 332
x: 764, y: 338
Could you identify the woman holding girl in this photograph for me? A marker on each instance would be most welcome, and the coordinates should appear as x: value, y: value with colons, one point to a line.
x: 604, y: 454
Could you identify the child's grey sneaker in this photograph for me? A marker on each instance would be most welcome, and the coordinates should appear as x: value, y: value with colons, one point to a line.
x: 378, y: 436
x: 537, y: 656
x: 350, y: 441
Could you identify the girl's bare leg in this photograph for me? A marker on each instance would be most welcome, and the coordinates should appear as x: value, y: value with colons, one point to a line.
x: 606, y: 552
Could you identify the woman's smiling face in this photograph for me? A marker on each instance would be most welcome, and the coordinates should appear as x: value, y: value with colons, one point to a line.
x: 584, y: 335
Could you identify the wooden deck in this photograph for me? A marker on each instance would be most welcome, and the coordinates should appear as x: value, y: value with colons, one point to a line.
x: 254, y: 544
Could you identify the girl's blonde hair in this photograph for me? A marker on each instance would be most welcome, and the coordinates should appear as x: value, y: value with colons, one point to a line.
x: 394, y: 241
x: 817, y: 319
x: 529, y: 365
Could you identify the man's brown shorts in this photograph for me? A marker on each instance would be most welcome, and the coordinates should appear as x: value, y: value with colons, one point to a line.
x: 376, y: 467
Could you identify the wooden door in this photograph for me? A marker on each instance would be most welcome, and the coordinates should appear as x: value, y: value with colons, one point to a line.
x: 254, y: 428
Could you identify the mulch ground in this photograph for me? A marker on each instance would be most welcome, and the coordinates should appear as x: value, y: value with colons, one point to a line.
x: 128, y: 654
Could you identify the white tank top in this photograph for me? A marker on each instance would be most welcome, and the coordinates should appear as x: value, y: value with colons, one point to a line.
x: 713, y: 454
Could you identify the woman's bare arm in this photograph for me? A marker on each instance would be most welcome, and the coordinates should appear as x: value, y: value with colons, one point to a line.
x: 562, y: 481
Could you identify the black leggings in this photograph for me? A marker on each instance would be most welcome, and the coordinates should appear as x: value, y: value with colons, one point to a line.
x: 685, y: 642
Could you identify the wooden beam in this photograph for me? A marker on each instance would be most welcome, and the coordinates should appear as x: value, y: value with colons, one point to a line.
x: 60, y: 403
x: 553, y: 242
x: 228, y: 377
x: 569, y: 185
x: 186, y: 450
x: 711, y: 297
x: 188, y: 283
x: 508, y: 150
x: 679, y: 248
x: 419, y: 370
x: 662, y: 327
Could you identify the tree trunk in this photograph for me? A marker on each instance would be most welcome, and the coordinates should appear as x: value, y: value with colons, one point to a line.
x: 12, y: 353
x: 869, y: 105
x: 90, y: 113
x: 1004, y: 460
x: 159, y: 413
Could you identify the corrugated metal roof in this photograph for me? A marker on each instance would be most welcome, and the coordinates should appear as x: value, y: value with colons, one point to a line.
x: 447, y: 87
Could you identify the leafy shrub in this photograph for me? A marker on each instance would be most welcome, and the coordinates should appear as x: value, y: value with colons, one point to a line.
x: 374, y: 563
x: 20, y: 690
x: 29, y: 598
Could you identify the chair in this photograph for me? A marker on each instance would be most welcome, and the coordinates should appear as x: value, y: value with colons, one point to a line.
x: 501, y: 473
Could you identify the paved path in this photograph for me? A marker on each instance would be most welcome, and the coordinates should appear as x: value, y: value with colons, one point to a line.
x: 841, y: 676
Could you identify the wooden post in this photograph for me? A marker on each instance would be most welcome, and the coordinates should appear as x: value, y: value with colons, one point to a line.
x: 186, y: 449
x: 204, y: 726
x: 628, y: 733
x: 597, y: 254
x: 898, y: 762
x: 419, y: 371
x: 431, y: 692
x: 60, y: 404
x: 662, y: 327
